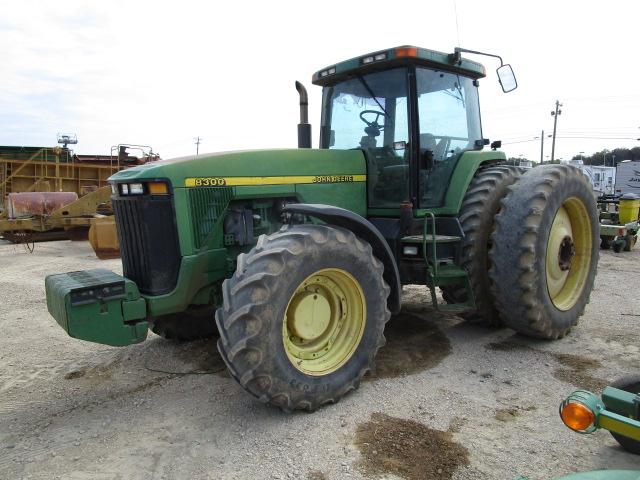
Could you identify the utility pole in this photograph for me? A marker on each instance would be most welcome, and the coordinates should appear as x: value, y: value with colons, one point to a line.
x: 198, y: 141
x: 555, y: 123
x: 542, y: 147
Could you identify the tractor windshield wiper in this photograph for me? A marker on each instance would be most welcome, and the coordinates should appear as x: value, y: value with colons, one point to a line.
x: 460, y: 93
x: 373, y: 95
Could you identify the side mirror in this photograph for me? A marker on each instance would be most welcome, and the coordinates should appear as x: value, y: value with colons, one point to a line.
x: 332, y: 138
x: 507, y: 78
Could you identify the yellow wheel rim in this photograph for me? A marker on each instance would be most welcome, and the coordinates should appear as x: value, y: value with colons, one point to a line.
x: 568, y: 253
x: 324, y: 321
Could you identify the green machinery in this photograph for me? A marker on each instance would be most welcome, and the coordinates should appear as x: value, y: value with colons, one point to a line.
x: 619, y: 222
x: 617, y: 410
x: 301, y: 253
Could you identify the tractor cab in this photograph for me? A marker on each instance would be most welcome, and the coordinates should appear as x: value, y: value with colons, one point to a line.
x: 412, y: 111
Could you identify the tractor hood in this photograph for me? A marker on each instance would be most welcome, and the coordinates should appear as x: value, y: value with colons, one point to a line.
x: 253, y: 167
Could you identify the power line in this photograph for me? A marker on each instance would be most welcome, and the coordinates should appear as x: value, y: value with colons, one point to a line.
x: 520, y: 141
x: 198, y: 141
x: 572, y: 136
x: 600, y: 138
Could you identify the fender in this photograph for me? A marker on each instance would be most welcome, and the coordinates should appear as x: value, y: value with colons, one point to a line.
x: 364, y: 229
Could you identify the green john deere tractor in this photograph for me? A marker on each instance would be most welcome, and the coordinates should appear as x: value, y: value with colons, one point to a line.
x: 302, y: 253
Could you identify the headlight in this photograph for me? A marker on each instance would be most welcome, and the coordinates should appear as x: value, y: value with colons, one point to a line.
x: 410, y: 250
x: 141, y: 188
x: 136, y: 189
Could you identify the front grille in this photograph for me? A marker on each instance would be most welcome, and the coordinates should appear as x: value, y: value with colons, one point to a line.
x: 148, y: 242
x: 207, y: 204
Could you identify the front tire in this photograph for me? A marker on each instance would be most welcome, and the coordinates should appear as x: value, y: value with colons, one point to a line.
x: 545, y: 251
x: 303, y: 316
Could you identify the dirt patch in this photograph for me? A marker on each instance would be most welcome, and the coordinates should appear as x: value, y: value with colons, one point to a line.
x: 507, y: 414
x: 407, y: 449
x: 413, y: 344
x: 512, y: 413
x: 75, y: 374
x: 317, y: 475
x: 197, y: 357
x: 95, y: 374
x: 623, y: 338
x: 576, y: 362
x: 578, y: 371
x: 580, y: 379
x: 507, y: 345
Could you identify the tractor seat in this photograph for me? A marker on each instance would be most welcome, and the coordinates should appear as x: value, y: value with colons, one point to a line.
x: 368, y: 142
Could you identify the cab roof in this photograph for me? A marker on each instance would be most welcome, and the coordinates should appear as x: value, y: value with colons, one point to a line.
x: 393, y: 57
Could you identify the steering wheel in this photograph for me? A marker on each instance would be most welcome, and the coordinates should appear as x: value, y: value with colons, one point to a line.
x: 373, y: 123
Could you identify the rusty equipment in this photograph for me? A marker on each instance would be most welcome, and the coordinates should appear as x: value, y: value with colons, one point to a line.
x: 37, y: 216
x: 28, y: 204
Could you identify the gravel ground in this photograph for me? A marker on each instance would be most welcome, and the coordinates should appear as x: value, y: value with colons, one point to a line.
x: 449, y: 399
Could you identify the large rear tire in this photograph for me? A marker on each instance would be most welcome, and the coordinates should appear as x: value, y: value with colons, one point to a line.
x: 477, y: 217
x: 193, y: 324
x: 303, y: 316
x: 544, y: 251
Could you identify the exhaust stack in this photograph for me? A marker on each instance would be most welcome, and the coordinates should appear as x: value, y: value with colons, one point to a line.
x: 304, y: 128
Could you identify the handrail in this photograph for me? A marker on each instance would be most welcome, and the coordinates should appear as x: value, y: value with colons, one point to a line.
x: 433, y: 241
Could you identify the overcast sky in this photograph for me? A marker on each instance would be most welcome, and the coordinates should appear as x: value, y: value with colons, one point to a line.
x: 162, y: 73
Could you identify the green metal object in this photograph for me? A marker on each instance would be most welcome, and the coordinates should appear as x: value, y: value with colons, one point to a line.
x: 599, y: 475
x: 604, y: 475
x: 466, y: 167
x: 607, y: 230
x: 98, y: 306
x: 619, y: 222
x: 617, y: 411
x: 393, y: 56
x: 215, y: 206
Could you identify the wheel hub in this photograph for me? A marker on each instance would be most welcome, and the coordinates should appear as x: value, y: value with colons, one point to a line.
x: 568, y: 256
x: 566, y: 252
x: 309, y: 316
x: 324, y: 321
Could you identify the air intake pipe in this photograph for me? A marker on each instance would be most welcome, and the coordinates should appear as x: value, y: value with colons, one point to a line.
x: 304, y: 128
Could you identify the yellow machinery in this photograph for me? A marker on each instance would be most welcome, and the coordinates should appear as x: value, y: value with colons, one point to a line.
x: 103, y: 237
x: 67, y: 221
x: 629, y: 208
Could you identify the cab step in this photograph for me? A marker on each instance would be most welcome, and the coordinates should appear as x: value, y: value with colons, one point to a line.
x: 419, y: 239
x: 450, y: 275
x: 442, y: 271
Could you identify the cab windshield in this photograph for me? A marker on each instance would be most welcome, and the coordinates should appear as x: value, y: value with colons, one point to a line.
x: 449, y: 124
